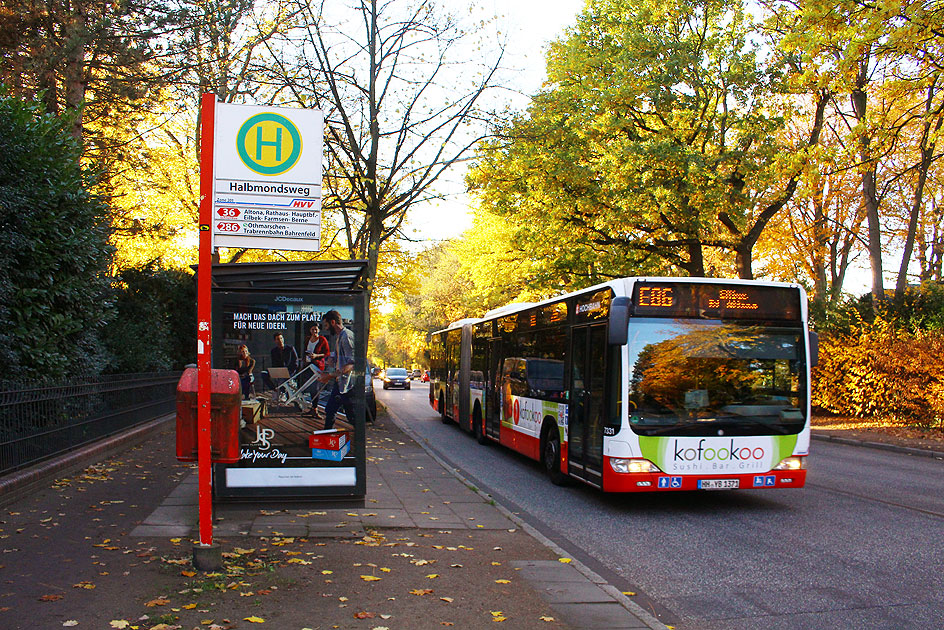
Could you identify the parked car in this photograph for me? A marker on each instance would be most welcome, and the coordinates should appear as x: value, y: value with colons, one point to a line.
x: 396, y: 377
x: 416, y: 374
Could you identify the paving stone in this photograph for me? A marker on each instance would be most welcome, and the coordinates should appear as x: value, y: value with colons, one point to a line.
x: 172, y: 515
x: 573, y: 593
x: 547, y: 571
x: 161, y: 531
x: 604, y: 616
x: 283, y: 529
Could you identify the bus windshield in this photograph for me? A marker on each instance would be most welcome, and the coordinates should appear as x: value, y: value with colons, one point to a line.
x: 706, y: 377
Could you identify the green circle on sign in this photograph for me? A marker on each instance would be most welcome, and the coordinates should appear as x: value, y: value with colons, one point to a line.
x: 269, y: 144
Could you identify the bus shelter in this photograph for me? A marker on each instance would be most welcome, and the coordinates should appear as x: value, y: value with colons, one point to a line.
x: 269, y: 310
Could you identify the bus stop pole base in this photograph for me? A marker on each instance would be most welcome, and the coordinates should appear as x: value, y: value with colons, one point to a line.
x: 207, y: 557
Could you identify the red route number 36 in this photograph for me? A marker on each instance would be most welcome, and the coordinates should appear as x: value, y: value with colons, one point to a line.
x: 229, y: 213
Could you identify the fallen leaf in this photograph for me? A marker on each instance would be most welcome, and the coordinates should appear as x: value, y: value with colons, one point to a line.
x: 70, y: 623
x: 502, y: 581
x: 85, y: 585
x: 119, y: 623
x: 448, y: 600
x: 188, y: 573
x: 370, y: 578
x: 630, y: 593
x: 364, y: 615
x: 189, y: 606
x: 432, y: 576
x: 159, y: 601
x: 546, y: 618
x: 421, y: 591
x: 50, y: 598
x: 565, y: 560
x: 254, y: 620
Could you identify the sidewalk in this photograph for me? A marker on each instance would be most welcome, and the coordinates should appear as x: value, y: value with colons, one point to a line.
x: 110, y: 548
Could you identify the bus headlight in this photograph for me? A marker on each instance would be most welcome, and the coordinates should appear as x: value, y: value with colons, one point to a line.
x: 792, y: 463
x: 625, y: 465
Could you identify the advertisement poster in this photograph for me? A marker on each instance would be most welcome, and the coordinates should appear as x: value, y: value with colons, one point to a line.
x: 301, y: 359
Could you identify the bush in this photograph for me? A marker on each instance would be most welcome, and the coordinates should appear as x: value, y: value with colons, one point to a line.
x: 880, y: 370
x: 54, y: 249
x: 155, y: 327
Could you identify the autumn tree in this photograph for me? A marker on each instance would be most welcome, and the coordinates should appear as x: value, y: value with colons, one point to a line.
x: 402, y: 84
x: 883, y: 62
x: 655, y: 141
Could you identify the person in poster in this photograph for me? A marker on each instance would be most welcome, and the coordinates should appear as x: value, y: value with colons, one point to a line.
x: 341, y: 379
x: 245, y: 364
x: 282, y: 356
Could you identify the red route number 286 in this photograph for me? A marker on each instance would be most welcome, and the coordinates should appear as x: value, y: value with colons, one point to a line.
x: 227, y: 227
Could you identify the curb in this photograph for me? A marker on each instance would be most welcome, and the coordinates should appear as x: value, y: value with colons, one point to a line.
x: 18, y: 484
x: 906, y: 450
x: 625, y: 602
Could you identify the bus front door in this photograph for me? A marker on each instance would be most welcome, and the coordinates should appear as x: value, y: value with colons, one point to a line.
x: 587, y: 388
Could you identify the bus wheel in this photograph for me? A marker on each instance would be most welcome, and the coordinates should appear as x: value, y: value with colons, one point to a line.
x: 552, y: 457
x: 477, y: 427
x: 442, y: 410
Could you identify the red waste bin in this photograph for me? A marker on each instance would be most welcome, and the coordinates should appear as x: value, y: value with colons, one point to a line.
x: 225, y: 410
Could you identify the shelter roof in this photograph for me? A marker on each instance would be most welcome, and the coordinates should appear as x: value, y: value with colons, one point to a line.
x: 305, y: 275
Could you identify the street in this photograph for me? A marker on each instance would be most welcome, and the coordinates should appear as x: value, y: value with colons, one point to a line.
x: 861, y: 546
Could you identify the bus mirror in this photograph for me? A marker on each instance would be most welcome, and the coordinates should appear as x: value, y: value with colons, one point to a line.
x: 618, y: 331
x: 814, y: 348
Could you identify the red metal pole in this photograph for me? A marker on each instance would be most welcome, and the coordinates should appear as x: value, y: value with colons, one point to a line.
x: 204, y: 316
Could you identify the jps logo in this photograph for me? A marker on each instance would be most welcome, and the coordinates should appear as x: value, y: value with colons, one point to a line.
x: 263, y: 436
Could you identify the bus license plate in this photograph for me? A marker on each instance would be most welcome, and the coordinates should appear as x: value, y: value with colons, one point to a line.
x: 718, y: 484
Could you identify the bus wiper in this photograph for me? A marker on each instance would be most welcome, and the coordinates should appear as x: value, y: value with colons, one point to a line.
x: 733, y: 420
x: 777, y: 426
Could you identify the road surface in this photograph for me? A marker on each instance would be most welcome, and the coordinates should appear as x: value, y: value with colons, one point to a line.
x: 861, y: 547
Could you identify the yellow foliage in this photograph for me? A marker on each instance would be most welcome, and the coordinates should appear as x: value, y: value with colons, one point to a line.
x: 878, y: 371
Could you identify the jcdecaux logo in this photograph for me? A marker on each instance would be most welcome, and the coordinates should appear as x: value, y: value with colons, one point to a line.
x: 730, y: 453
x: 269, y: 144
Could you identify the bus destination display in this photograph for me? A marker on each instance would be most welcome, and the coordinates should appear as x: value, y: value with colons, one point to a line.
x: 683, y: 299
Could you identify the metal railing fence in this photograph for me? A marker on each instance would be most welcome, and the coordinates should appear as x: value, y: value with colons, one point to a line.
x: 41, y: 420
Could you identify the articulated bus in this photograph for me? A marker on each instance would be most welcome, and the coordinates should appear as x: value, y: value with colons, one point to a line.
x: 640, y: 384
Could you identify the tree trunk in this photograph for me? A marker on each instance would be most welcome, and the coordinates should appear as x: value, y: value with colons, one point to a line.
x: 820, y: 245
x: 924, y: 165
x: 73, y: 75
x: 859, y: 100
